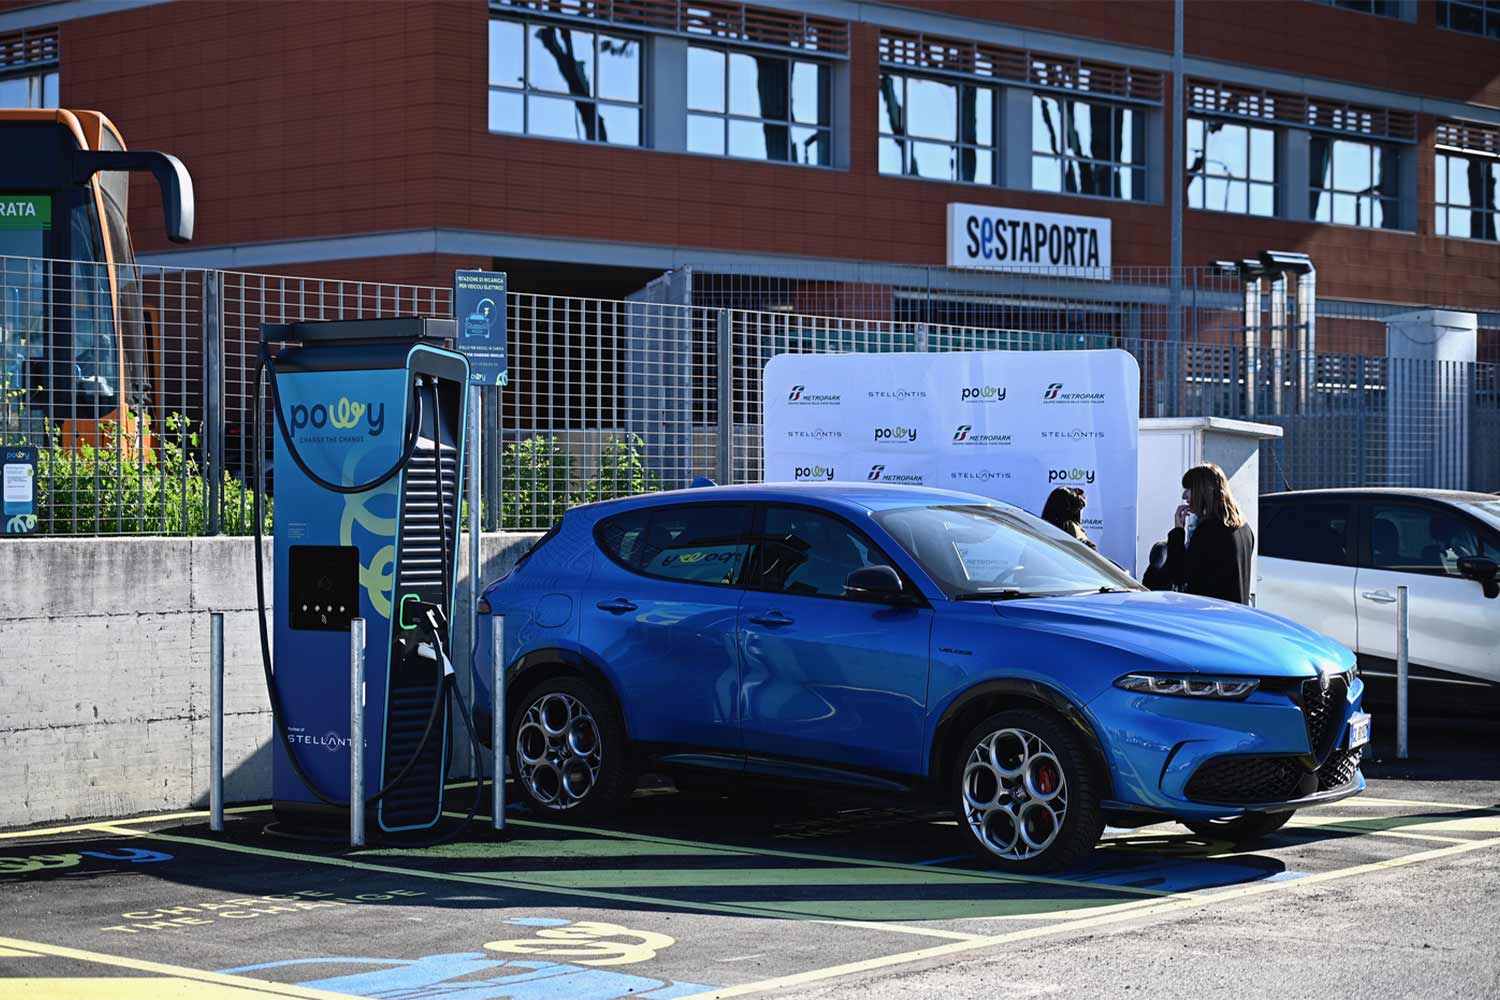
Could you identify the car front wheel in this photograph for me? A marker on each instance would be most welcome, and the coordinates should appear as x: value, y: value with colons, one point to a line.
x: 1025, y: 796
x: 570, y: 759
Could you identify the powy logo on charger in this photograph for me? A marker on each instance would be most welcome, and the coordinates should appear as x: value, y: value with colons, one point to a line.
x: 343, y: 415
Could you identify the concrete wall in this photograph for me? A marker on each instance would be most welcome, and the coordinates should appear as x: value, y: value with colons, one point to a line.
x: 104, y: 672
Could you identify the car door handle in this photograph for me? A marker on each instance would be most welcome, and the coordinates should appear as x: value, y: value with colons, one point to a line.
x: 1379, y: 596
x: 771, y: 619
x: 618, y: 606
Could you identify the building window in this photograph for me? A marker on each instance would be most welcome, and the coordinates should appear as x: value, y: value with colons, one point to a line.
x: 937, y: 129
x: 1385, y: 8
x: 1087, y: 147
x: 1353, y: 183
x: 565, y: 83
x: 37, y: 89
x: 1468, y: 195
x: 1475, y: 17
x: 758, y: 106
x: 1231, y: 167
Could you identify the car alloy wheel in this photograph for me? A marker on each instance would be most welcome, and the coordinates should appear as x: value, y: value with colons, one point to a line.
x: 1015, y: 794
x: 558, y: 750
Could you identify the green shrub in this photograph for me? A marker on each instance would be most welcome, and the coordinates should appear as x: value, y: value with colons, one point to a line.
x: 533, y: 482
x: 622, y: 472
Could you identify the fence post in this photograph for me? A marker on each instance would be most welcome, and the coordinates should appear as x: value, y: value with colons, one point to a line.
x: 497, y: 720
x: 216, y: 721
x: 357, y: 733
x: 213, y: 383
x: 725, y: 465
x: 1403, y: 666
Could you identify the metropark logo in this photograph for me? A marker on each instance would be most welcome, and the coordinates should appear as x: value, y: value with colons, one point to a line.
x: 1055, y: 394
x: 343, y: 415
x: 879, y: 475
x: 965, y: 435
x: 799, y: 396
x: 812, y: 473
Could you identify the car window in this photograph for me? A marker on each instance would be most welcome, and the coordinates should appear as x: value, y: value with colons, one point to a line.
x: 694, y: 543
x: 1419, y: 539
x: 1308, y: 531
x: 809, y: 553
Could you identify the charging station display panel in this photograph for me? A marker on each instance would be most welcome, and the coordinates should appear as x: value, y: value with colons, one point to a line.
x: 1012, y: 425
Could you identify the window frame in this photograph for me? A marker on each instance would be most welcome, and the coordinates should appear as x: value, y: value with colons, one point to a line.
x: 824, y: 130
x: 653, y: 510
x: 527, y: 90
x: 910, y: 592
x: 1442, y: 203
x: 957, y: 144
x: 1486, y: 18
x: 1353, y: 523
x: 1390, y: 204
x: 1138, y: 168
x: 1483, y: 534
x: 36, y: 77
x: 1250, y: 182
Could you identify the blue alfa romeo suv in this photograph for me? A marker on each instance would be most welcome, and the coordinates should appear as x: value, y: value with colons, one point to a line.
x: 907, y: 641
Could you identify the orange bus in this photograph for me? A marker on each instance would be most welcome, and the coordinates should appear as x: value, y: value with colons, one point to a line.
x: 74, y: 335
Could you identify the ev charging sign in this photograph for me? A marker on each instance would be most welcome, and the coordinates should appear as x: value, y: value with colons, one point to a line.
x: 1012, y: 425
x: 480, y: 314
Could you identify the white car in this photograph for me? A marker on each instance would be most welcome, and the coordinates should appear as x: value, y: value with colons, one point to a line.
x: 1332, y: 560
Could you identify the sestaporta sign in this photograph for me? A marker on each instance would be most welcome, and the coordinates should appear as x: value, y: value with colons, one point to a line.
x: 1011, y: 239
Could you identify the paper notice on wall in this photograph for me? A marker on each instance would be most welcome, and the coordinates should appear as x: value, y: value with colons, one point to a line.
x: 1011, y: 425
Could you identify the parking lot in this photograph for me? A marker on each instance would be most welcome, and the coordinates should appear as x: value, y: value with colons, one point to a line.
x: 771, y: 894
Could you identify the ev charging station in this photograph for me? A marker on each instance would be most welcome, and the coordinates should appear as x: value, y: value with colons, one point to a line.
x: 369, y: 450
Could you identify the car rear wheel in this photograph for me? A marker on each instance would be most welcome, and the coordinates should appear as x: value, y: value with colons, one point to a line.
x: 1024, y: 793
x: 1241, y: 829
x: 570, y: 758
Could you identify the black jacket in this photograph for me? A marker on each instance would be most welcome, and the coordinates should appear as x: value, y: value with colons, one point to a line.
x: 1216, y: 563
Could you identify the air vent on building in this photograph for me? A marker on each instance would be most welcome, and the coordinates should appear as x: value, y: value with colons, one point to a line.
x: 1215, y: 97
x: 712, y: 18
x: 1469, y: 137
x: 30, y: 48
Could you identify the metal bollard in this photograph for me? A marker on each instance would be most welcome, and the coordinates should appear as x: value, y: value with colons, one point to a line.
x: 216, y: 721
x: 357, y: 733
x: 1403, y: 666
x: 497, y: 722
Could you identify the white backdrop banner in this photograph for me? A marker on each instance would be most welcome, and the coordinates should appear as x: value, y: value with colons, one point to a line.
x: 1012, y: 425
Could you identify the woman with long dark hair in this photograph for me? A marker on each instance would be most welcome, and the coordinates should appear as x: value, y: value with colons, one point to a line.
x: 1064, y: 511
x: 1209, y: 551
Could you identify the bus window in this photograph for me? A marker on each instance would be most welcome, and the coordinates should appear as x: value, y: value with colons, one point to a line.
x: 24, y: 220
x: 96, y: 367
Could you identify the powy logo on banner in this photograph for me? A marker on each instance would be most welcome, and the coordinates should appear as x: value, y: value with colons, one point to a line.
x: 1012, y: 425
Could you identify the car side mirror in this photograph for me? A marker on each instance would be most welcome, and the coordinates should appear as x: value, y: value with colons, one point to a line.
x: 1486, y: 571
x: 875, y: 583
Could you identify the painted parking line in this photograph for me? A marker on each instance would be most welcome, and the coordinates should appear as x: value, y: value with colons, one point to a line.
x: 161, y: 981
x: 1113, y: 916
x: 91, y: 825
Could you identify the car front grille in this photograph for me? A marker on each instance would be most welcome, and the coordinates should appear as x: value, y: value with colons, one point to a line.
x: 1249, y: 779
x: 1321, y: 709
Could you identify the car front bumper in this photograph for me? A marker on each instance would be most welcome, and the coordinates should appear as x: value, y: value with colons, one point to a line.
x: 1194, y: 759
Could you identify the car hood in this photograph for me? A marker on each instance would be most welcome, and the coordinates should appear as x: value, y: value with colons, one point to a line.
x: 1183, y: 632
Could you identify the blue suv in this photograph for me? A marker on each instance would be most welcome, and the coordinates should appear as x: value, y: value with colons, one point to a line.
x: 903, y: 640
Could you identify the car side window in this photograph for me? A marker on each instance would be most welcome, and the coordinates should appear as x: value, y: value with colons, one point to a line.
x: 693, y: 543
x: 811, y: 554
x: 1308, y: 531
x: 1419, y: 539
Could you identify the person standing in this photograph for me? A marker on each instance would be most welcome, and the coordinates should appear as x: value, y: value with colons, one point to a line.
x: 1064, y: 511
x: 1209, y: 551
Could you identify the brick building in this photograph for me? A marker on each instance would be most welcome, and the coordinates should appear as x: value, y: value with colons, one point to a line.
x: 588, y: 145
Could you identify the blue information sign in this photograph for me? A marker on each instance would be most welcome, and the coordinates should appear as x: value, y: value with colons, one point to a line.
x: 17, y: 490
x: 479, y: 309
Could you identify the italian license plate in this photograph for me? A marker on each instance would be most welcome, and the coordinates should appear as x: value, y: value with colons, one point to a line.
x: 1359, y: 731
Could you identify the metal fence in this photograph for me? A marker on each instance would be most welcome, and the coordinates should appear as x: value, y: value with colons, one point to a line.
x: 610, y: 397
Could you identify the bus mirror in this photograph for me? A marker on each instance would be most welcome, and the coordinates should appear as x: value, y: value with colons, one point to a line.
x: 171, y: 176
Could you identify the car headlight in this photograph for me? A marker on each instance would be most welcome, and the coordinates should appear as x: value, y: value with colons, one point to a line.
x: 1222, y: 688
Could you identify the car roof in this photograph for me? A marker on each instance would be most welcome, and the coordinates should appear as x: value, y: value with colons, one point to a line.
x: 859, y: 496
x: 1391, y: 491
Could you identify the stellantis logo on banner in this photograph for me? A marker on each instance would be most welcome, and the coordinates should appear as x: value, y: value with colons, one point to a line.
x: 982, y: 394
x: 897, y: 393
x: 1055, y: 394
x: 804, y: 473
x: 879, y: 475
x: 1010, y: 239
x: 1074, y: 475
x: 896, y: 435
x: 1076, y: 434
x: 801, y: 397
x: 965, y: 435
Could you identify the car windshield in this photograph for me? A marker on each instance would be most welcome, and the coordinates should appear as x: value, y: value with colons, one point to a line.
x: 1487, y: 511
x: 984, y: 552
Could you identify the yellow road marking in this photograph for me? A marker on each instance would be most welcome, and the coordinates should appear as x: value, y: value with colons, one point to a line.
x: 1096, y: 919
x: 52, y: 831
x: 245, y: 986
x: 16, y: 953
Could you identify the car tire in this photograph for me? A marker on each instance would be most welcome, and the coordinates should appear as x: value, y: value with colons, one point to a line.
x: 569, y: 755
x: 1241, y: 829
x: 1025, y: 794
